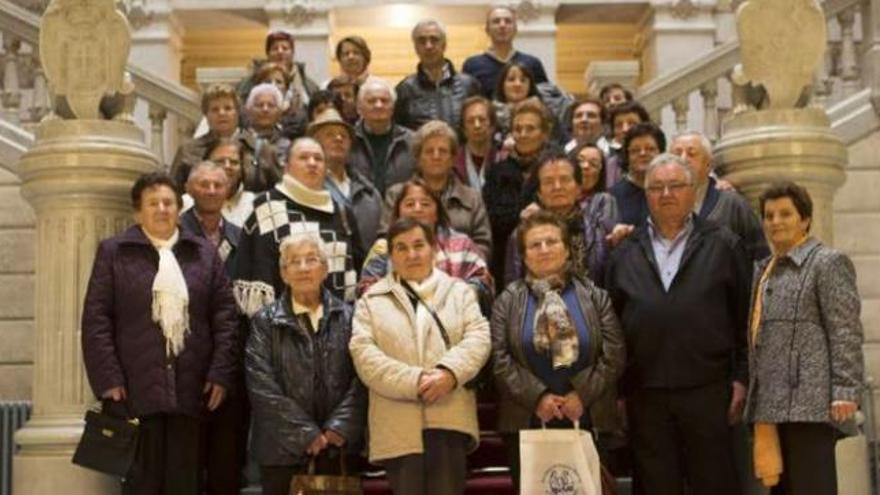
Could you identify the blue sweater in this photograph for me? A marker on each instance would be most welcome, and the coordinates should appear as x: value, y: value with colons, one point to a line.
x: 485, y: 68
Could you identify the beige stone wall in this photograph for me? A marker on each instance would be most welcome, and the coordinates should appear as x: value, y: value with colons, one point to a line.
x: 16, y: 290
x: 857, y: 232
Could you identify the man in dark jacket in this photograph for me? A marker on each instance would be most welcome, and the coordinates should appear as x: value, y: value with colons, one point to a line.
x: 225, y: 429
x: 435, y: 91
x: 680, y: 285
x: 501, y: 29
x: 380, y: 150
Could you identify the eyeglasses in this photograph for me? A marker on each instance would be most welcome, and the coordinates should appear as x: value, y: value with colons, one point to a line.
x: 671, y: 188
x: 308, y: 262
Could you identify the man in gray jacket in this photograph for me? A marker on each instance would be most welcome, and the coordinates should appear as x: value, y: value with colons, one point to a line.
x: 380, y: 149
x: 723, y: 206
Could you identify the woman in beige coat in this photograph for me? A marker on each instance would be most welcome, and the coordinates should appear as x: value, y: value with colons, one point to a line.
x: 418, y: 338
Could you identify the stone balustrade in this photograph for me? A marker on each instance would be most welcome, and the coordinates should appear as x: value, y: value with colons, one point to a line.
x: 670, y: 97
x: 25, y: 99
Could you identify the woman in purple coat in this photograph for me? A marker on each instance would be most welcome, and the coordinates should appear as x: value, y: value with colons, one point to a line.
x: 159, y: 336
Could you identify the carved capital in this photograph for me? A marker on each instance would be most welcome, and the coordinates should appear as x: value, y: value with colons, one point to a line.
x: 137, y: 12
x: 300, y: 12
x: 684, y: 9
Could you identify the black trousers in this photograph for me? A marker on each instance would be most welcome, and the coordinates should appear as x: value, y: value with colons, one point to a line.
x: 167, y: 461
x: 680, y: 438
x: 808, y: 461
x: 440, y: 470
x: 224, y: 449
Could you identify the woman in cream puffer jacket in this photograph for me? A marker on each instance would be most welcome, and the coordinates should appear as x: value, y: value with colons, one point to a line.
x: 421, y: 415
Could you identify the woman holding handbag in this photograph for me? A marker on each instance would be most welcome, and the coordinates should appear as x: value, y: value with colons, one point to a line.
x: 557, y: 346
x: 418, y: 338
x: 159, y: 337
x: 307, y: 403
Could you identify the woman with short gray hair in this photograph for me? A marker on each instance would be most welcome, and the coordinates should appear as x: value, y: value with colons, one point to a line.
x: 308, y: 405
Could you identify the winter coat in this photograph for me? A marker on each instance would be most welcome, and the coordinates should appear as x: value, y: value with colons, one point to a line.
x: 520, y: 389
x: 302, y: 383
x: 229, y: 237
x: 809, y: 349
x: 122, y: 346
x: 383, y: 347
x: 419, y: 99
x: 399, y: 162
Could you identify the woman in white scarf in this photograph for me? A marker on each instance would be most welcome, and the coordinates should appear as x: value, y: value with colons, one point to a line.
x: 418, y: 338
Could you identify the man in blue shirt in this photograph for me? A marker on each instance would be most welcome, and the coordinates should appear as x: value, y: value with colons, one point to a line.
x: 501, y: 28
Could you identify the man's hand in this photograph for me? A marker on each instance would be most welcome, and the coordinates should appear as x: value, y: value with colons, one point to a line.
x: 434, y: 384
x: 723, y: 185
x: 842, y: 410
x: 116, y: 394
x: 216, y: 393
x: 317, y: 445
x: 334, y: 438
x: 573, y: 408
x: 737, y: 403
x: 620, y: 232
x: 549, y: 407
x: 529, y: 210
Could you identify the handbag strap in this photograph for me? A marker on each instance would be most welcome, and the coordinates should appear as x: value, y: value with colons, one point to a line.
x: 103, y: 403
x: 443, y: 333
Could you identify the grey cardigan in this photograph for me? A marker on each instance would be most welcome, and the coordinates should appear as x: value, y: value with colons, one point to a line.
x: 809, y: 349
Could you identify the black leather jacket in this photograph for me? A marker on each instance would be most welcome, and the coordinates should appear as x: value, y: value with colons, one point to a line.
x: 419, y: 99
x: 302, y: 383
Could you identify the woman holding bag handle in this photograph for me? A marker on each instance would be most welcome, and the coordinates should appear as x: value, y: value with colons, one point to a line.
x: 557, y: 346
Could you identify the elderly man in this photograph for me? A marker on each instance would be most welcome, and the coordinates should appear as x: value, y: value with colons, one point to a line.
x: 720, y: 205
x: 348, y: 187
x: 225, y: 429
x: 485, y: 67
x: 300, y: 203
x: 681, y: 288
x: 435, y: 91
x: 380, y: 149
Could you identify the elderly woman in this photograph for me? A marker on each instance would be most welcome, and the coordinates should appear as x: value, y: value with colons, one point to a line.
x: 806, y: 364
x: 418, y: 338
x: 265, y: 106
x: 293, y: 118
x: 508, y: 187
x: 435, y: 146
x: 308, y: 405
x: 557, y: 347
x: 455, y: 253
x: 159, y: 336
x: 560, y: 185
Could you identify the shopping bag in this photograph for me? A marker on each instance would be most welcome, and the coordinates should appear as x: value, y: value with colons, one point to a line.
x: 559, y: 462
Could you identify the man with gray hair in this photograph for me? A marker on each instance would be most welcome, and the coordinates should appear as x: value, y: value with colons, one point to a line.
x: 723, y: 206
x: 435, y: 91
x: 680, y: 286
x: 380, y: 149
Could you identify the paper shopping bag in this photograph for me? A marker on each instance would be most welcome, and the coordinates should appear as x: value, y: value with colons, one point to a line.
x: 559, y: 462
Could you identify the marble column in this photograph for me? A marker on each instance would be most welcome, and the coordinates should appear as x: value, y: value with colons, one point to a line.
x: 536, y: 24
x: 795, y: 144
x: 77, y: 176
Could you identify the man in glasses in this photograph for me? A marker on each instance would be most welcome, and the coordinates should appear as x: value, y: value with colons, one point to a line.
x: 680, y: 286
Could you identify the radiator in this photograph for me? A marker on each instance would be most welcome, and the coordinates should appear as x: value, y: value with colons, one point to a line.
x: 13, y: 415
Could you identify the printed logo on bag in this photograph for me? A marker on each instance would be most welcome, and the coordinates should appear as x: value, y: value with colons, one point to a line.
x: 560, y: 479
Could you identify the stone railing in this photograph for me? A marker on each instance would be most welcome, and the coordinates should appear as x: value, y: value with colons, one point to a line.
x: 24, y: 97
x: 708, y: 80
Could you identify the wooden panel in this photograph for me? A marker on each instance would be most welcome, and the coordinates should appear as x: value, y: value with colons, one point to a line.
x: 579, y: 44
x: 219, y: 48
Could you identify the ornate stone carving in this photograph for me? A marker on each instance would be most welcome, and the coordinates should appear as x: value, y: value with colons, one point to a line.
x: 137, y: 12
x: 684, y: 9
x: 528, y: 10
x: 84, y: 47
x: 299, y: 12
x: 767, y: 30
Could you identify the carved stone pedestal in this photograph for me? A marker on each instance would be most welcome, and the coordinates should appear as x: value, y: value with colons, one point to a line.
x: 794, y: 144
x: 78, y: 177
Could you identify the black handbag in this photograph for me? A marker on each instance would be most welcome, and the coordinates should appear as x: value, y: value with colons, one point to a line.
x: 108, y: 443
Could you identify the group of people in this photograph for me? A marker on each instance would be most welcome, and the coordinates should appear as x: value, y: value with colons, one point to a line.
x: 349, y: 266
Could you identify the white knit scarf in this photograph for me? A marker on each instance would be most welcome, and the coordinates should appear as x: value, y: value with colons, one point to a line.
x: 170, y: 296
x: 319, y: 200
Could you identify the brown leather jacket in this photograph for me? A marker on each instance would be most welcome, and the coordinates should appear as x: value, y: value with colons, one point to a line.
x: 520, y: 389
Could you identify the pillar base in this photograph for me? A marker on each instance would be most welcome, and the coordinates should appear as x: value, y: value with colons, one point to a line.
x: 797, y: 144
